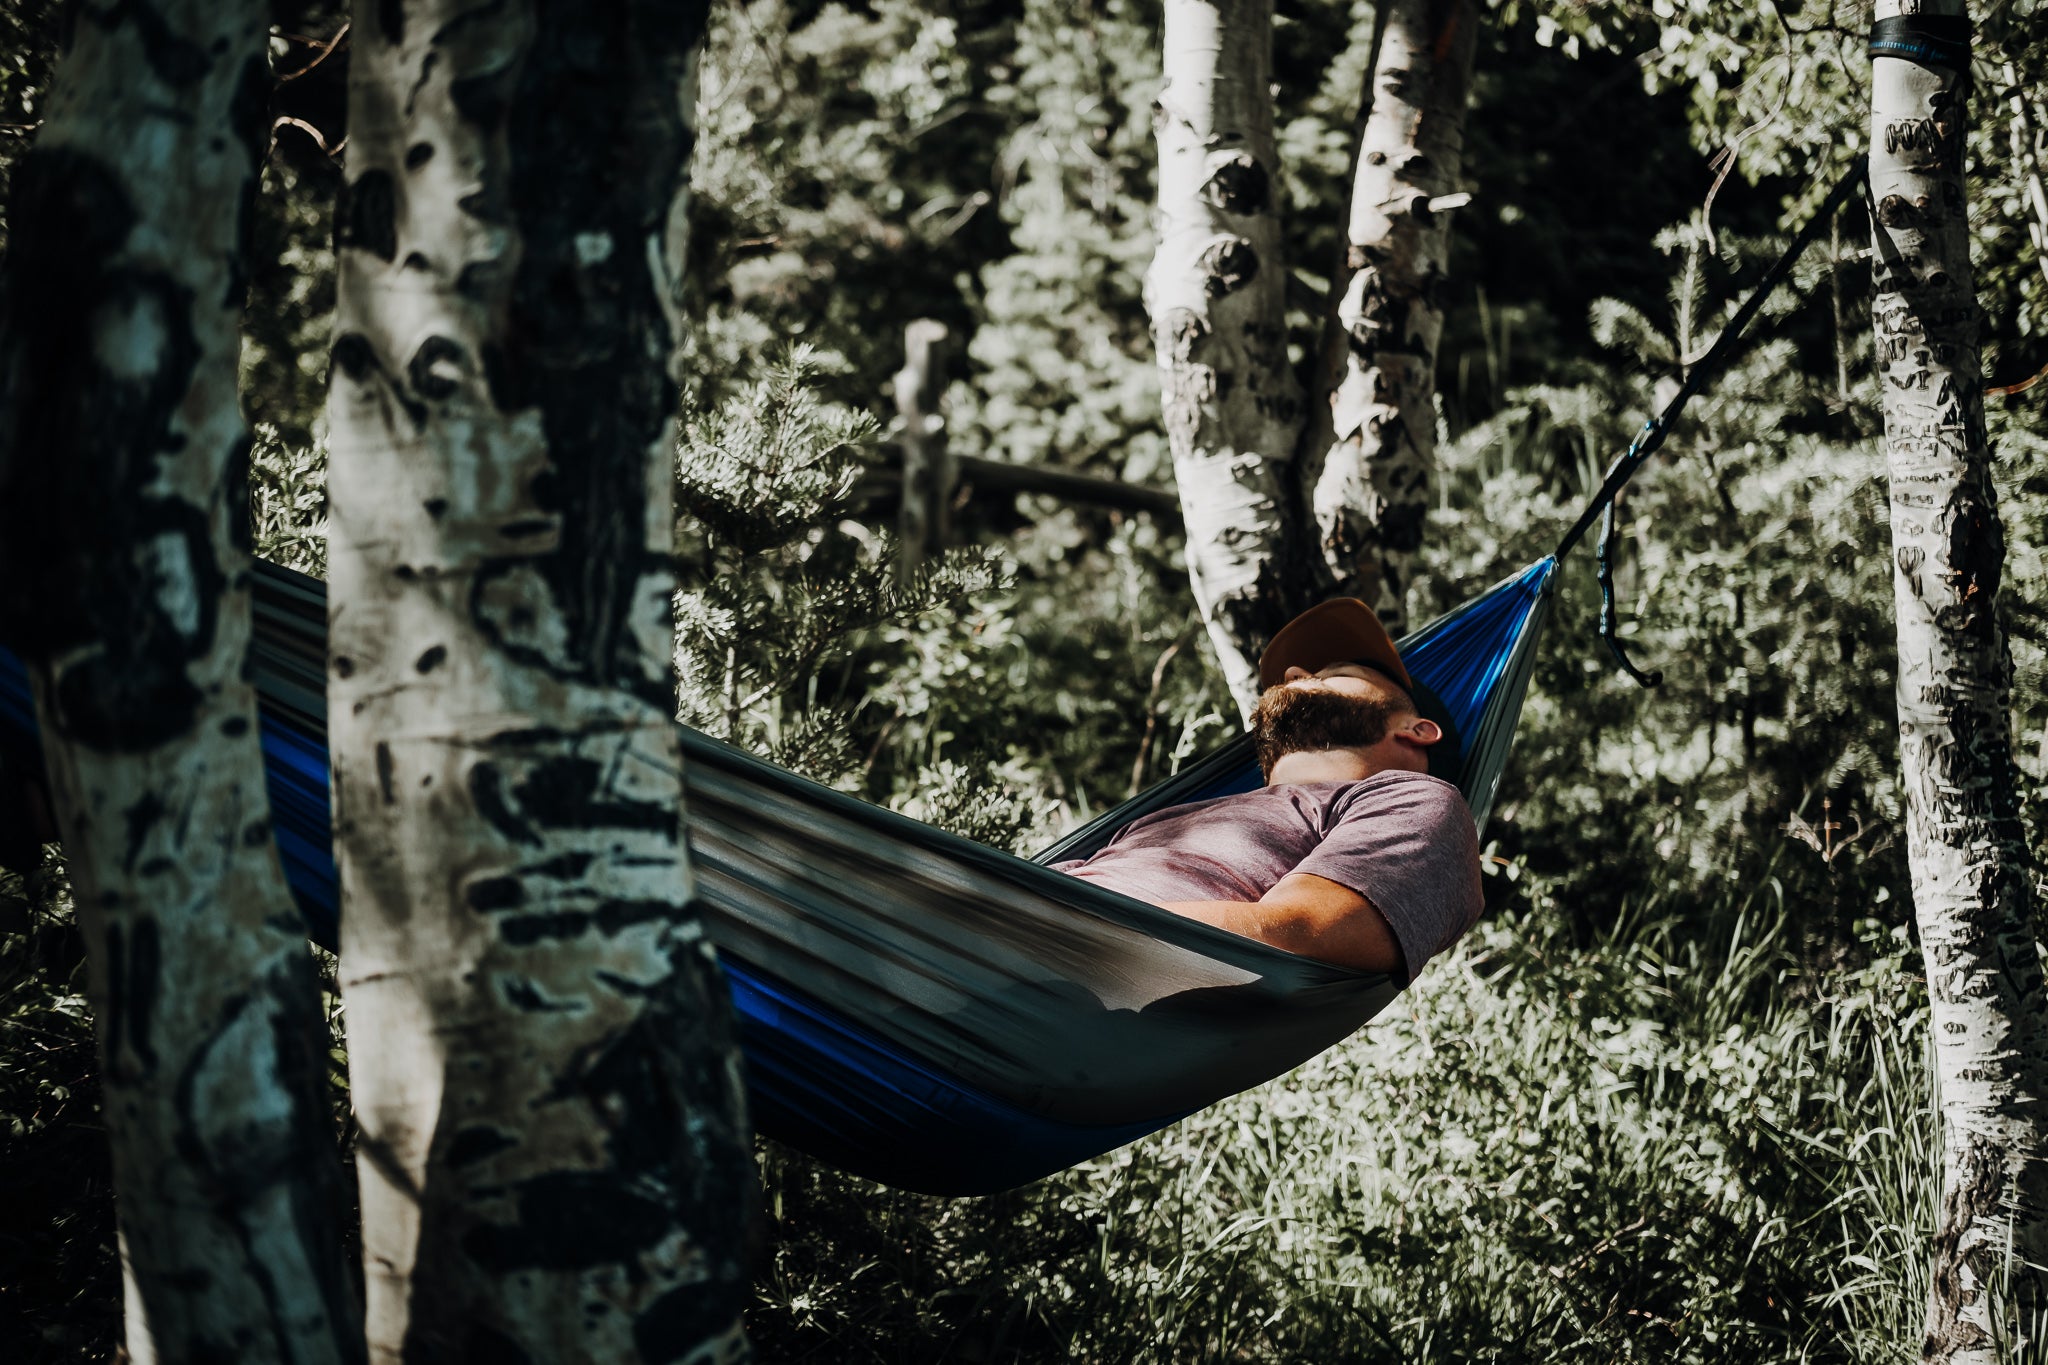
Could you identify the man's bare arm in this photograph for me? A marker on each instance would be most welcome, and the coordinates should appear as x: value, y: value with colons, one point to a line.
x: 1312, y: 916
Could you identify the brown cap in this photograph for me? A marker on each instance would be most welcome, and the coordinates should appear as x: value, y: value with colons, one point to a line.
x: 1342, y: 630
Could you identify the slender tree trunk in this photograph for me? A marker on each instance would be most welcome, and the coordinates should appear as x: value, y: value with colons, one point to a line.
x: 924, y: 517
x: 2026, y: 161
x: 1972, y: 883
x: 1371, y: 490
x: 1217, y: 297
x: 554, y: 1161
x: 124, y: 580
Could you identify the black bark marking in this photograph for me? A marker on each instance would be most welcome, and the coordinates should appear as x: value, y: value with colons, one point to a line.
x: 432, y: 659
x: 526, y: 930
x: 234, y: 727
x: 177, y: 60
x: 527, y: 528
x: 134, y: 692
x: 496, y: 893
x: 659, y: 1173
x: 255, y: 832
x: 385, y: 773
x: 366, y: 214
x: 476, y: 282
x: 249, y: 119
x: 1227, y: 265
x: 626, y: 986
x: 1976, y: 559
x: 354, y: 354
x: 138, y: 822
x: 418, y: 155
x: 358, y: 360
x: 566, y: 868
x: 582, y: 323
x: 476, y: 1142
x: 137, y: 988
x: 108, y: 353
x: 487, y: 788
x: 498, y: 380
x: 1240, y: 186
x: 391, y: 20
x: 430, y: 368
x: 249, y: 112
x: 570, y: 1220
x: 417, y: 261
x: 523, y: 931
x: 156, y: 867
x: 435, y: 507
x: 566, y: 793
x: 523, y: 995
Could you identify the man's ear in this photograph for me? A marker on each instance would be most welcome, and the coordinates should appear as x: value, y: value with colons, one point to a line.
x: 1423, y: 730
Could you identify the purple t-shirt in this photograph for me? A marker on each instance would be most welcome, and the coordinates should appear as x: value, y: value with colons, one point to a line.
x: 1404, y: 841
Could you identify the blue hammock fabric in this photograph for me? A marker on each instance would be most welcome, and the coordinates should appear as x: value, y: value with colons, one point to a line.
x: 916, y: 1008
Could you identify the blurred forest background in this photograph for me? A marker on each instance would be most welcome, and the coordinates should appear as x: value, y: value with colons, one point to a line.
x: 1671, y: 1101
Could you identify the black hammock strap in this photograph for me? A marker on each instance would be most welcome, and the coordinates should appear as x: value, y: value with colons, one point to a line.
x: 1651, y: 437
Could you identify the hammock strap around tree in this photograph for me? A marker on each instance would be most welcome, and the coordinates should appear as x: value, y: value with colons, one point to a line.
x: 1697, y: 376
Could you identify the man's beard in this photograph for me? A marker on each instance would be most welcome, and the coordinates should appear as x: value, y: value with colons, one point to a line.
x: 1293, y: 720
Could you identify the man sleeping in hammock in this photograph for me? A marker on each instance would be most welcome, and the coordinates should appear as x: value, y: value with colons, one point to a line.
x: 1351, y: 853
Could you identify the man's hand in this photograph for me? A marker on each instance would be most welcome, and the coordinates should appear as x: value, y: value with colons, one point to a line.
x: 1312, y: 916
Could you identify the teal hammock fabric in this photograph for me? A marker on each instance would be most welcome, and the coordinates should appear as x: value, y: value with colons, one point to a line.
x: 914, y: 1007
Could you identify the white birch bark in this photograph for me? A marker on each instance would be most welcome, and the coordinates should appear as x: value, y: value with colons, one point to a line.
x: 554, y: 1162
x: 1216, y: 294
x: 1371, y: 487
x: 1972, y: 890
x: 124, y: 580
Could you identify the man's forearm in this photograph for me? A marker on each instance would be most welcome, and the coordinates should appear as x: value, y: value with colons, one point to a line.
x: 1309, y: 916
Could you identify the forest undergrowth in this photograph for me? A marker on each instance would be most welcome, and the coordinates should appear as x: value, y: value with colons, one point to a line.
x: 1655, y: 1147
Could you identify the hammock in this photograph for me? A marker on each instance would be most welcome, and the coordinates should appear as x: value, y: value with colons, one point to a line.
x: 916, y: 1008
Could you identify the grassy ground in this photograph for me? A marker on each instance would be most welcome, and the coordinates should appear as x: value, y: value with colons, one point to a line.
x: 1667, y: 1147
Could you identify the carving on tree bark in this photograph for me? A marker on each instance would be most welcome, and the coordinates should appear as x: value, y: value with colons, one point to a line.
x: 1972, y: 889
x: 555, y: 1164
x: 1371, y: 488
x: 1216, y: 294
x: 126, y: 585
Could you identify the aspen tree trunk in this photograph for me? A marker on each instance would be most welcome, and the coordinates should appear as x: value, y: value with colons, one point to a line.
x: 1371, y: 491
x: 1216, y: 293
x: 124, y: 580
x: 554, y: 1160
x: 1972, y: 890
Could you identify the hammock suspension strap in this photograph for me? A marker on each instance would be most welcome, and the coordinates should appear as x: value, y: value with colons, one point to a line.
x: 1651, y: 437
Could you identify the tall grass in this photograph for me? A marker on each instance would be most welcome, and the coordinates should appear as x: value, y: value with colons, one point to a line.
x: 1669, y: 1146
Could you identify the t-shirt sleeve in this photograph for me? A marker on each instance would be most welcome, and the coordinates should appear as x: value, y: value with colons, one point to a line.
x: 1410, y: 848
